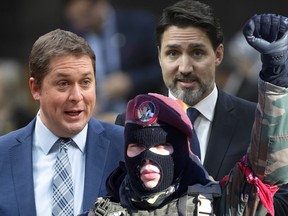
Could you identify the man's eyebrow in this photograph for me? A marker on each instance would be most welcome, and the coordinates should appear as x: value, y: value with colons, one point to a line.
x: 171, y: 46
x: 191, y: 45
x: 87, y: 74
x: 197, y: 45
x: 62, y: 74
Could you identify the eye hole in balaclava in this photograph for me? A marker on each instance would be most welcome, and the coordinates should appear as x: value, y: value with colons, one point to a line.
x: 171, y: 166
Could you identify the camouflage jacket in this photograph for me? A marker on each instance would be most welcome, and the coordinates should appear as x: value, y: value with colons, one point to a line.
x: 263, y: 168
x: 266, y: 156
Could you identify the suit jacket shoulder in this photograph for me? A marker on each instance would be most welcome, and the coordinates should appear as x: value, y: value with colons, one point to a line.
x: 16, y: 175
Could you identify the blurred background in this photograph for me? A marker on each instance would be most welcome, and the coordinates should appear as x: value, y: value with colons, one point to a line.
x: 22, y: 22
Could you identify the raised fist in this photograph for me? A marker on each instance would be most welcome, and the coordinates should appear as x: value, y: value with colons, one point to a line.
x: 268, y: 33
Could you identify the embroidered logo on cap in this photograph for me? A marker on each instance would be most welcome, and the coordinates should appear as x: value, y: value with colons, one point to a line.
x: 146, y: 113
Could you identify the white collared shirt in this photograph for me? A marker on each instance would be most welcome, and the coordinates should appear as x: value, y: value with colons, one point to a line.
x: 203, y: 123
x: 44, y: 154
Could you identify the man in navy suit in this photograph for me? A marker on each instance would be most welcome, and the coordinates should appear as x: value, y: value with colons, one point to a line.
x: 62, y: 67
x: 190, y: 44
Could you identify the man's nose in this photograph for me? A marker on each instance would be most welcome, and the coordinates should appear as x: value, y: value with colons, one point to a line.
x: 76, y: 93
x: 185, y: 64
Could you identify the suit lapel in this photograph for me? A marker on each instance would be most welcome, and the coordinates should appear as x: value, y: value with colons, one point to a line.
x: 223, y: 125
x: 22, y: 172
x: 96, y: 149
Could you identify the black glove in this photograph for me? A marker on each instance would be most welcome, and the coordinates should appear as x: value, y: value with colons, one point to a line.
x: 268, y: 33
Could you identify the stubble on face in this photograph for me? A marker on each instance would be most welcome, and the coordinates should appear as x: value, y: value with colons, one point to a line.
x: 188, y: 95
x: 187, y: 59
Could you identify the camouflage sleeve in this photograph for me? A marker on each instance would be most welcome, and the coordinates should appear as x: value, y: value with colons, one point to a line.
x: 266, y: 159
x: 268, y: 150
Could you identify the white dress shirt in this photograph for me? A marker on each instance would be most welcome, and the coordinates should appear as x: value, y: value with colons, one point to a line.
x: 203, y: 122
x: 44, y: 154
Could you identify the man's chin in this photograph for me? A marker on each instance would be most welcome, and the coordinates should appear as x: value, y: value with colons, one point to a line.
x: 73, y: 129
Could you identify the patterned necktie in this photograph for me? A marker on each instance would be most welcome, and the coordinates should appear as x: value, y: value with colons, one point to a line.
x: 194, y: 142
x: 63, y: 203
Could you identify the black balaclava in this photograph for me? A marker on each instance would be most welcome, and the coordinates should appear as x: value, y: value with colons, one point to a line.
x: 171, y: 166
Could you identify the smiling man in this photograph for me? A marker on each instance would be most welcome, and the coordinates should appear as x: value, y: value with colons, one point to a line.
x: 58, y: 163
x: 67, y: 95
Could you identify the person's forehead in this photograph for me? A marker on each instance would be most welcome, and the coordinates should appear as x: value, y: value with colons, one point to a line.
x: 69, y: 63
x: 175, y: 35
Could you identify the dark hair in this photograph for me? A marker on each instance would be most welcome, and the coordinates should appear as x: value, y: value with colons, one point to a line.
x: 191, y: 13
x: 56, y: 43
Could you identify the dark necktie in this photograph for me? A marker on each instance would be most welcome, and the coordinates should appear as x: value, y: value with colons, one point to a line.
x: 194, y: 142
x: 63, y: 201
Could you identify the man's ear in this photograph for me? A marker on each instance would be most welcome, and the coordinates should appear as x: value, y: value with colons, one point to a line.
x: 219, y: 54
x: 34, y: 88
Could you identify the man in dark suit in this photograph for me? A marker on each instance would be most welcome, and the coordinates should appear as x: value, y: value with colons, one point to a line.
x: 190, y: 44
x: 62, y: 67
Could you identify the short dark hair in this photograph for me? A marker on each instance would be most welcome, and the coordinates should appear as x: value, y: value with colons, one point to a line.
x: 191, y: 13
x: 56, y: 43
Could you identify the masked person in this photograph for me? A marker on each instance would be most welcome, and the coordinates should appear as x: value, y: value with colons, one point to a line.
x: 159, y: 162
